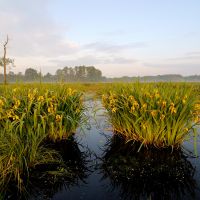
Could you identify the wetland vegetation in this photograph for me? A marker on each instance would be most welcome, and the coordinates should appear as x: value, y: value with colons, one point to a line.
x: 38, y: 152
x: 159, y: 115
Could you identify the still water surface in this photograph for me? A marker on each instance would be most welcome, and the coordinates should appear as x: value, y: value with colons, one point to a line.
x: 141, y: 178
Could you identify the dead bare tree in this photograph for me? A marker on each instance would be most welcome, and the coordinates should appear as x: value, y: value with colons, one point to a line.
x: 4, y: 59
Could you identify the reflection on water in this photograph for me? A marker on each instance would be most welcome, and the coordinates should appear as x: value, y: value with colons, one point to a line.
x: 115, y: 170
x: 70, y: 173
x: 47, y: 180
x: 148, y: 174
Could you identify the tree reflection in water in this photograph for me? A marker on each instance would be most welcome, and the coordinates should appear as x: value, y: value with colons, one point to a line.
x: 149, y: 173
x: 47, y: 180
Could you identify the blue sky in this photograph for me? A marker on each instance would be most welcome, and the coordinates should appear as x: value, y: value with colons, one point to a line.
x: 119, y: 37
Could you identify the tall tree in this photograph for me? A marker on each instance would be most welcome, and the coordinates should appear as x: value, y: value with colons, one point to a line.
x: 71, y: 74
x: 60, y: 75
x: 31, y: 74
x: 48, y: 77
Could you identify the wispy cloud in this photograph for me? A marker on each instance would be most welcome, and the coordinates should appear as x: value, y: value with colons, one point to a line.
x: 35, y: 39
x: 53, y: 34
x: 33, y: 34
x: 93, y: 60
x: 42, y: 44
x: 194, y: 53
x: 188, y: 56
x: 113, y: 48
x: 174, y: 68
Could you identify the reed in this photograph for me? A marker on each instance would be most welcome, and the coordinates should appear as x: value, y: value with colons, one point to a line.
x: 57, y: 113
x: 30, y: 117
x: 19, y: 154
x: 159, y: 115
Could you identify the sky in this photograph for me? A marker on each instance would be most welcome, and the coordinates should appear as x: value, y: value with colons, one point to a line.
x: 119, y: 37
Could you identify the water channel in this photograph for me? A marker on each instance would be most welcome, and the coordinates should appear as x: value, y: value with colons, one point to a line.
x: 108, y: 172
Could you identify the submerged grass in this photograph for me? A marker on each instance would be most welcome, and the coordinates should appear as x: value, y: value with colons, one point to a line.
x: 159, y: 115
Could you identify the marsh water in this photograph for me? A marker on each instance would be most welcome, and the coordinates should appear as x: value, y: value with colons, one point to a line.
x: 107, y: 171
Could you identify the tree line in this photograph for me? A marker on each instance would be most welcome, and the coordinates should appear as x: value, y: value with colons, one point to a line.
x: 77, y: 74
x: 67, y: 74
x: 88, y: 74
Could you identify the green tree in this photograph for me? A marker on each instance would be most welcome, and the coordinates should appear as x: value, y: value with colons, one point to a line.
x: 48, y: 77
x: 31, y: 74
x: 93, y: 74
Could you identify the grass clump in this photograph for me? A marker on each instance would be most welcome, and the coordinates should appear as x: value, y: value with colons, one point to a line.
x: 19, y: 154
x: 56, y: 113
x: 159, y: 115
x: 30, y: 118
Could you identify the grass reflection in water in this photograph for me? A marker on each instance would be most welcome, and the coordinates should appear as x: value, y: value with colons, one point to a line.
x: 47, y: 180
x: 149, y: 173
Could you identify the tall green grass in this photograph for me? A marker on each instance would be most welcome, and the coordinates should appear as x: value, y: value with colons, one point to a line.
x: 159, y: 115
x: 29, y: 118
x: 21, y: 153
x: 57, y: 113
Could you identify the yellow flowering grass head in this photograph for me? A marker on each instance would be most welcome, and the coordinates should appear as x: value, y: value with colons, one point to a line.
x: 54, y: 111
x: 154, y: 114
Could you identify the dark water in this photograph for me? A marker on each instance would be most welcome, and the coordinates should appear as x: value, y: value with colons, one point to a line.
x: 118, y: 176
x: 110, y: 172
